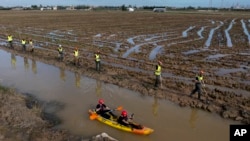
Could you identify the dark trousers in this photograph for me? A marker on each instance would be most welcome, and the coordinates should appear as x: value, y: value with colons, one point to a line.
x: 61, y: 55
x: 10, y: 43
x: 197, y: 89
x: 24, y: 47
x: 97, y: 65
x: 76, y: 61
x: 157, y: 80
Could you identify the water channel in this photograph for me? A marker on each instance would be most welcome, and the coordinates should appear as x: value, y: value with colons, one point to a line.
x: 76, y: 94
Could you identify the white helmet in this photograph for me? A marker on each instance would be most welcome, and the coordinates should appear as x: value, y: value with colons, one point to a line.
x: 60, y: 45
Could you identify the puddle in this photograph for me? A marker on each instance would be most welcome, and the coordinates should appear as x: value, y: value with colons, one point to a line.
x: 148, y: 39
x: 200, y: 32
x: 98, y: 35
x: 245, y: 31
x: 154, y: 52
x: 210, y: 36
x: 3, y: 43
x: 131, y: 40
x: 229, y: 41
x: 190, y: 52
x: 216, y: 56
x: 79, y: 93
x: 184, y: 33
x: 223, y: 71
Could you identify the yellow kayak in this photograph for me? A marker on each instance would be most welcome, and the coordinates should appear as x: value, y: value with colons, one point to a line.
x: 115, y: 124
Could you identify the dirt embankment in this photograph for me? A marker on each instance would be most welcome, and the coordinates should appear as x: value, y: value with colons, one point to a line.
x: 23, y: 119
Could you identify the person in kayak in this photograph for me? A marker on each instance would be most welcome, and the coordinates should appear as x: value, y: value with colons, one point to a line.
x: 127, y: 121
x: 103, y: 110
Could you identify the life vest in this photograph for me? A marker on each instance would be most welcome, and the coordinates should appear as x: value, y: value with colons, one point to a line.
x: 60, y: 49
x: 199, y: 78
x: 97, y: 57
x: 23, y: 42
x: 10, y: 38
x: 76, y: 53
x: 158, y: 70
x: 102, y: 107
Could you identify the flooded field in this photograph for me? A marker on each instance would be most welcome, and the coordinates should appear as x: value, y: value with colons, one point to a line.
x: 130, y: 45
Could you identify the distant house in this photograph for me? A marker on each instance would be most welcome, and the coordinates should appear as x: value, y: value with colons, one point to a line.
x: 55, y: 8
x: 131, y: 9
x: 46, y: 8
x: 159, y: 10
x: 70, y: 8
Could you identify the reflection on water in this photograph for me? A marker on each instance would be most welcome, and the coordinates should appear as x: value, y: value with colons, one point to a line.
x: 34, y: 68
x: 155, y: 106
x: 77, y: 79
x: 13, y: 61
x: 193, y: 118
x: 26, y: 63
x: 98, y: 88
x: 62, y: 73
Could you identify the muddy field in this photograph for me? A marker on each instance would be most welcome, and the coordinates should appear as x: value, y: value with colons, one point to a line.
x: 131, y: 44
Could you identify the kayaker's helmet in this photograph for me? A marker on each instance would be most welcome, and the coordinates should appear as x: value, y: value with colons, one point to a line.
x: 124, y: 113
x: 101, y: 101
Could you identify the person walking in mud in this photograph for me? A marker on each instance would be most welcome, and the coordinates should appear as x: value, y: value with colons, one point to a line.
x: 158, y: 74
x: 76, y: 57
x: 97, y: 61
x: 10, y: 40
x: 198, y: 85
x: 23, y: 42
x: 60, y: 53
x: 31, y: 46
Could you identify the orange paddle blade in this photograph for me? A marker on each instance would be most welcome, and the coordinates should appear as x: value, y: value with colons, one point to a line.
x: 93, y: 116
x: 119, y: 108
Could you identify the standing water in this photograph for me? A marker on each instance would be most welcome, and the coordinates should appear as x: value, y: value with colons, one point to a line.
x: 76, y: 94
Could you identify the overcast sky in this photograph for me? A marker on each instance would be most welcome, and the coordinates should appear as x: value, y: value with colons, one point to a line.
x: 176, y: 3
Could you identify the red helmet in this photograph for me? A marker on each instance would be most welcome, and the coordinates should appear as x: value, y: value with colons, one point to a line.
x: 124, y: 113
x: 101, y: 101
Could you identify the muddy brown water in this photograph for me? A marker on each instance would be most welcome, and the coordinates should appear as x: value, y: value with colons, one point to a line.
x: 76, y: 94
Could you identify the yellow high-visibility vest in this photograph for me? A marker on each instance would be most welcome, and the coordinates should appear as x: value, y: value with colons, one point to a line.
x: 97, y: 57
x: 76, y: 53
x: 23, y: 42
x: 10, y: 38
x: 200, y: 78
x: 60, y: 49
x: 158, y: 71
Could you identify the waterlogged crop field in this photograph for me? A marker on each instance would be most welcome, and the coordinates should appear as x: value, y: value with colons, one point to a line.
x: 132, y: 42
